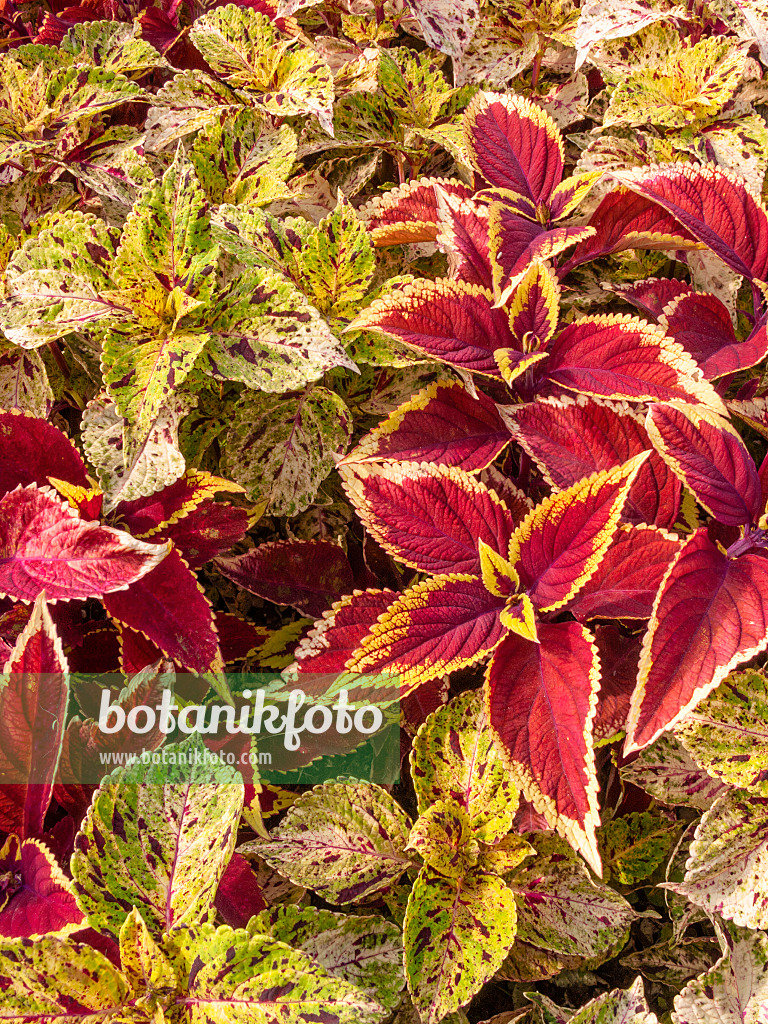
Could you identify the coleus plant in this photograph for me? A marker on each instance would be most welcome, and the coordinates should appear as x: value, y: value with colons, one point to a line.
x: 501, y: 578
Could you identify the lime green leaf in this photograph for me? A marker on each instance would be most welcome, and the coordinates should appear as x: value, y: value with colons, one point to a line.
x: 113, y: 45
x: 24, y: 383
x: 622, y: 1006
x: 265, y: 334
x: 337, y: 262
x: 634, y: 846
x: 247, y: 51
x: 365, y: 951
x: 144, y: 963
x: 443, y: 839
x: 562, y: 909
x: 727, y: 734
x: 456, y: 932
x: 342, y: 841
x: 157, y: 837
x: 59, y: 281
x: 260, y: 241
x: 78, y: 92
x: 190, y: 101
x: 127, y: 471
x: 240, y: 158
x: 280, y: 449
x: 456, y: 755
x: 504, y: 856
x: 53, y: 979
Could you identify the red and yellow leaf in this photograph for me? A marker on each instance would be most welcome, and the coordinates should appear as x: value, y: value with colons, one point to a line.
x: 338, y: 634
x: 710, y: 458
x: 463, y: 236
x: 702, y: 325
x: 409, y: 213
x: 45, y: 546
x: 44, y: 902
x: 430, y: 517
x: 709, y: 616
x: 558, y: 546
x: 541, y: 702
x: 31, y: 450
x: 653, y: 294
x: 535, y: 308
x: 146, y: 517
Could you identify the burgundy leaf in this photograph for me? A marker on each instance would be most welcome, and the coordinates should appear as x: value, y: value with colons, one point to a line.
x: 335, y: 638
x: 41, y: 901
x: 239, y: 896
x: 31, y: 450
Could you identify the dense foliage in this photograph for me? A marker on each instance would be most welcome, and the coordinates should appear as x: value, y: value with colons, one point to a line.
x: 418, y: 339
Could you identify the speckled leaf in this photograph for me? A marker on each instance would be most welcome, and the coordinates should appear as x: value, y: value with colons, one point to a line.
x: 726, y: 867
x: 735, y: 991
x: 342, y: 841
x: 247, y: 50
x: 365, y: 951
x: 337, y: 262
x: 455, y: 754
x: 153, y: 465
x: 601, y: 20
x: 51, y: 978
x: 669, y: 774
x: 237, y: 978
x: 281, y: 449
x: 58, y: 281
x: 241, y: 158
x: 265, y: 334
x: 560, y: 908
x: 457, y: 932
x: 112, y: 45
x: 632, y: 847
x: 158, y: 838
x: 143, y: 962
x: 24, y: 383
x: 621, y: 1006
x: 442, y: 837
x: 727, y: 734
x: 447, y: 26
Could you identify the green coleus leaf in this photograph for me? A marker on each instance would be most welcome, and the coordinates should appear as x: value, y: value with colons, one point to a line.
x: 114, y: 166
x: 366, y: 951
x: 157, y: 837
x: 457, y: 932
x: 561, y: 908
x: 127, y: 470
x: 113, y: 45
x: 78, y: 92
x: 239, y: 978
x: 668, y: 772
x: 260, y: 241
x: 617, y: 1007
x: 50, y: 978
x: 166, y: 261
x: 144, y: 963
x: 725, y: 871
x: 241, y: 158
x: 735, y: 991
x: 337, y: 262
x: 634, y: 846
x: 190, y: 101
x: 248, y: 52
x: 343, y: 841
x: 264, y: 333
x: 443, y: 838
x: 24, y: 382
x: 59, y: 282
x: 455, y: 755
x: 280, y: 449
x: 727, y: 734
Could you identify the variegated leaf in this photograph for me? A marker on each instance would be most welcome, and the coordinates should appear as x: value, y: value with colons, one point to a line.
x: 735, y: 991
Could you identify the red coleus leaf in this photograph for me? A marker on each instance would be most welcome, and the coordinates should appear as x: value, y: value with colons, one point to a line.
x: 558, y: 546
x: 463, y: 236
x: 653, y: 294
x: 31, y: 450
x: 627, y: 221
x: 145, y: 517
x: 409, y: 213
x: 136, y: 651
x: 569, y: 439
x: 619, y: 657
x: 211, y: 529
x: 711, y: 459
x: 715, y: 206
x: 535, y: 308
x: 516, y: 242
x: 308, y: 575
x: 622, y: 357
x: 629, y: 575
x: 430, y: 517
x: 33, y: 706
x: 513, y: 144
x: 40, y: 900
x: 702, y: 325
x: 338, y: 634
x: 541, y: 703
x: 239, y: 895
x: 442, y: 424
x: 449, y: 320
x: 436, y: 627
x: 237, y: 637
x: 710, y: 615
x: 170, y: 609
x: 45, y: 546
